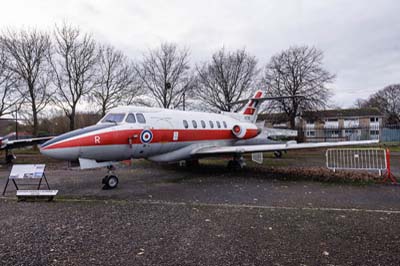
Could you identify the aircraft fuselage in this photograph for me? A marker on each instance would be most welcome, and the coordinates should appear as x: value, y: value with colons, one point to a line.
x: 153, y: 133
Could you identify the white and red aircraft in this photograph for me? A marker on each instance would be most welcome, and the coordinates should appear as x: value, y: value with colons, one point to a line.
x: 164, y: 135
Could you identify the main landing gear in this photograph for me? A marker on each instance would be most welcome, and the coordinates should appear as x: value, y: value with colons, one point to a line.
x: 278, y: 154
x: 110, y: 181
x: 236, y: 163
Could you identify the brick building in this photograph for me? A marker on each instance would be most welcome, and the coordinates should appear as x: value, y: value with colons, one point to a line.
x: 332, y: 125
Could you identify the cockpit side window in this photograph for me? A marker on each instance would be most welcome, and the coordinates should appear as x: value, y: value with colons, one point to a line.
x: 140, y: 118
x: 113, y: 118
x: 130, y: 119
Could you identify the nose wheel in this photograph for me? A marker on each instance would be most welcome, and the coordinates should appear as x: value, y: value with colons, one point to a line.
x: 110, y: 181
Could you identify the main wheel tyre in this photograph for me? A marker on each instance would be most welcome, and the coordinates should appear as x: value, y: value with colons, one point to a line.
x: 234, y: 165
x: 192, y: 163
x: 110, y: 182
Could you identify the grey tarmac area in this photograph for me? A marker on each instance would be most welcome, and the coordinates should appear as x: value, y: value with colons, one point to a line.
x: 207, y: 216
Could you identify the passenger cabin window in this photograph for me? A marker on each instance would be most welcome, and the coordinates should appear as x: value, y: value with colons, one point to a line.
x: 194, y: 124
x: 113, y: 118
x: 211, y: 124
x: 218, y: 124
x: 225, y: 126
x: 130, y: 118
x: 185, y: 124
x: 203, y: 124
x: 140, y: 118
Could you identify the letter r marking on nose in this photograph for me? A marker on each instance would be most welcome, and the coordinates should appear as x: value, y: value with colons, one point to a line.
x: 96, y: 139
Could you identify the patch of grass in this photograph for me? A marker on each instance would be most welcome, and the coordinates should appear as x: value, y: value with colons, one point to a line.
x: 393, y: 146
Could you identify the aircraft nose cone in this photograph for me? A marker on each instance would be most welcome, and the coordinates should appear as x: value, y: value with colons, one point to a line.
x: 46, y: 152
x: 59, y: 148
x: 67, y: 146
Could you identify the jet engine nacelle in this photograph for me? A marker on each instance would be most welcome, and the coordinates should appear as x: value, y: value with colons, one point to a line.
x: 239, y: 131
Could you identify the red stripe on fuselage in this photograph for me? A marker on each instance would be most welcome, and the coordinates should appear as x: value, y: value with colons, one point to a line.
x: 159, y: 136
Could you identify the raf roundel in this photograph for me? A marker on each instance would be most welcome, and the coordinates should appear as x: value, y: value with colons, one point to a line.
x: 146, y: 136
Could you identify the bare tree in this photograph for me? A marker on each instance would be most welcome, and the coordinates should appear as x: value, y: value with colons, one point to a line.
x: 165, y: 74
x: 360, y: 103
x: 27, y: 52
x: 387, y: 100
x: 228, y: 77
x: 298, y: 71
x: 74, y: 66
x: 8, y: 83
x: 117, y: 82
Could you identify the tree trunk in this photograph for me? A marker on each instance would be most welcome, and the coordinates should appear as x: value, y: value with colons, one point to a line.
x: 35, y: 119
x: 103, y: 110
x: 292, y: 121
x: 35, y: 123
x: 72, y: 119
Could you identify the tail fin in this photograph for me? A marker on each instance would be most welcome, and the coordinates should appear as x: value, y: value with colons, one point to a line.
x: 252, y: 106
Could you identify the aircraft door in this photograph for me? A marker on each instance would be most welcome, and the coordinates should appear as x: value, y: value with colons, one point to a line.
x: 163, y: 135
x: 121, y: 150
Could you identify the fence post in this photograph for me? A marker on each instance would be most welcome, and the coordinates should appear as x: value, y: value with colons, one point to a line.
x: 388, y: 174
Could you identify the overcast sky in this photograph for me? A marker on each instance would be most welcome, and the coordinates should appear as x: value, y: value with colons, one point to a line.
x: 360, y: 39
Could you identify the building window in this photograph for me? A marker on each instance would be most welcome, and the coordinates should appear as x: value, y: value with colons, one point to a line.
x: 194, y: 124
x: 310, y: 133
x: 218, y: 124
x: 374, y: 119
x: 185, y: 124
x: 140, y: 118
x: 374, y: 134
x: 211, y: 124
x: 348, y: 132
x: 280, y: 125
x: 332, y: 133
x: 331, y: 123
x: 203, y: 124
x: 351, y: 122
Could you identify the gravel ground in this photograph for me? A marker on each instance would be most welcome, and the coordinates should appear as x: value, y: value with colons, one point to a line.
x: 166, y: 215
x: 150, y: 233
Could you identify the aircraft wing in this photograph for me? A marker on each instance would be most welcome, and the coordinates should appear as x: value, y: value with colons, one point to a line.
x: 276, y: 147
x: 19, y: 143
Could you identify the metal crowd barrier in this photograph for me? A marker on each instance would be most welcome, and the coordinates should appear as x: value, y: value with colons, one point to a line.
x: 369, y: 159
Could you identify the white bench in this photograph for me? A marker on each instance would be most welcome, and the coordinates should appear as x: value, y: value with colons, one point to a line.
x: 36, y: 194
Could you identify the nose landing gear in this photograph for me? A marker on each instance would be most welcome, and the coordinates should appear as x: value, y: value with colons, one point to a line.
x: 110, y: 181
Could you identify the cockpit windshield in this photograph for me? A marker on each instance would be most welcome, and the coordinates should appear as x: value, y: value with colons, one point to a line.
x: 113, y: 118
